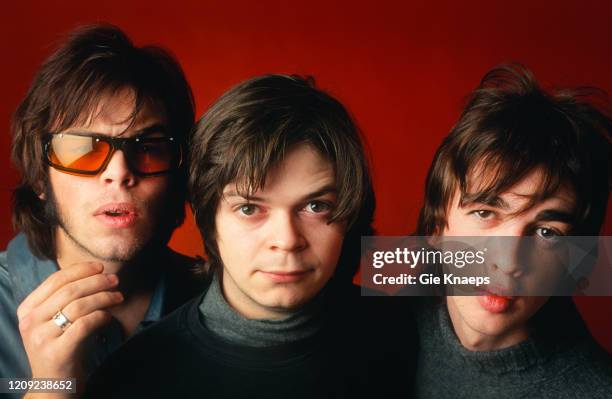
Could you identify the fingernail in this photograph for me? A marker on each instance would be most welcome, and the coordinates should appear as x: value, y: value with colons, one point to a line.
x: 118, y: 296
x: 112, y: 278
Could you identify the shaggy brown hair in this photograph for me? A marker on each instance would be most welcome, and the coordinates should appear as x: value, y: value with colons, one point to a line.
x: 94, y: 61
x: 510, y: 127
x: 250, y: 129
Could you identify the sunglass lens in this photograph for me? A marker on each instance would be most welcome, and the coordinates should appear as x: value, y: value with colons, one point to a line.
x: 78, y: 153
x: 154, y: 156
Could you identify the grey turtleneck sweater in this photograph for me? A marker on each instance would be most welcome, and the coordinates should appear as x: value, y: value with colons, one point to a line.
x: 544, y: 367
x: 338, y: 346
x: 226, y: 323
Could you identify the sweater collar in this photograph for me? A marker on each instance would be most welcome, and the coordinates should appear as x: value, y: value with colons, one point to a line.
x: 521, y: 356
x: 220, y: 318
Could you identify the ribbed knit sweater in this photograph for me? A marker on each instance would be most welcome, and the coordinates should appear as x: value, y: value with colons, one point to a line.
x: 544, y: 366
x: 350, y: 347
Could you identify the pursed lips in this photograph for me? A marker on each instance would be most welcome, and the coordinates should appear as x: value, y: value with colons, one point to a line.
x: 500, y: 291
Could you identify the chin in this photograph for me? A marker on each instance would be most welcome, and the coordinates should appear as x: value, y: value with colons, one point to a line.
x: 117, y: 252
x: 483, y: 321
x: 496, y: 324
x: 126, y: 239
x: 491, y: 327
x: 287, y: 302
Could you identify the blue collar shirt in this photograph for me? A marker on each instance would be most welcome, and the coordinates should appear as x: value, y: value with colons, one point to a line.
x: 20, y: 273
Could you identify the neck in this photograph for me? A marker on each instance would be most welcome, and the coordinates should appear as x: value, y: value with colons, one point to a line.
x: 134, y: 273
x: 223, y: 320
x: 475, y: 340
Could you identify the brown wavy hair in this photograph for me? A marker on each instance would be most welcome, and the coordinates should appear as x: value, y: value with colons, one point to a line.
x: 94, y: 61
x: 248, y: 131
x: 511, y: 126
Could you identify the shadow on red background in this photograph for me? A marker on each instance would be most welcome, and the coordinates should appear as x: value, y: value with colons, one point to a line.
x: 402, y: 69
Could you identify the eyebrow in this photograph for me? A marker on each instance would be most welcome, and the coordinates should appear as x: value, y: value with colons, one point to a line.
x: 547, y: 215
x: 495, y: 202
x: 327, y: 189
x: 156, y: 128
x: 553, y: 215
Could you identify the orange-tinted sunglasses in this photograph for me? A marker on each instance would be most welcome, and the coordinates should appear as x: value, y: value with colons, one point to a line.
x: 88, y: 154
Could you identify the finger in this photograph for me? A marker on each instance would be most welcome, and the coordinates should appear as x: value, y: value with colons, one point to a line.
x: 41, y: 336
x: 56, y: 281
x: 86, y: 305
x: 73, y: 291
x: 77, y: 309
x: 45, y: 334
x: 83, y: 327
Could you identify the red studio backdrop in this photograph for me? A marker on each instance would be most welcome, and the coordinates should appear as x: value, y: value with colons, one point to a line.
x: 402, y: 68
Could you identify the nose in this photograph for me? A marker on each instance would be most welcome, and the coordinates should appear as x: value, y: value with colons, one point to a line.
x: 504, y: 255
x: 118, y: 172
x: 285, y: 233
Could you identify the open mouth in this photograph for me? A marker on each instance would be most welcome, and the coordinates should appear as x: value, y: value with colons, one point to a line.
x: 117, y: 215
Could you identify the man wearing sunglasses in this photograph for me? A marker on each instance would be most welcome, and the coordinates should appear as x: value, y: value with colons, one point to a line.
x: 99, y: 142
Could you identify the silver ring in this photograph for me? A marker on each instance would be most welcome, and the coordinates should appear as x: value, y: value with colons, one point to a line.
x: 61, y: 320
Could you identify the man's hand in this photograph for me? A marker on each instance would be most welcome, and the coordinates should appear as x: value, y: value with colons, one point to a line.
x: 80, y: 292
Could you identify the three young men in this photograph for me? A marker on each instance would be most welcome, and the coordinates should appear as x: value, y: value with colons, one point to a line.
x: 282, y: 195
x: 99, y: 141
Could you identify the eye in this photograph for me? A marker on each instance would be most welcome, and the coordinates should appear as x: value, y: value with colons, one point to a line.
x: 317, y: 207
x: 143, y: 148
x: 149, y: 148
x: 548, y: 234
x: 248, y: 209
x: 483, y: 214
